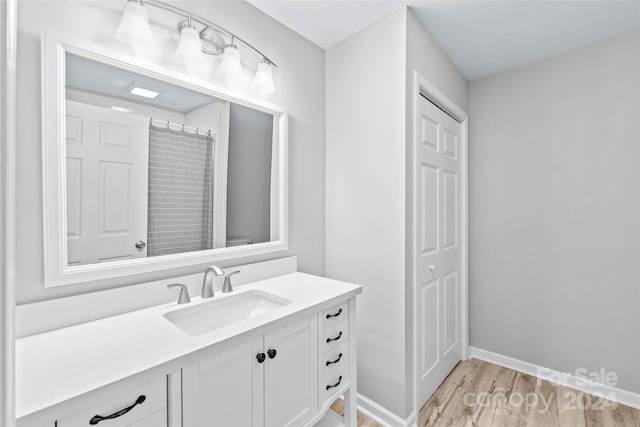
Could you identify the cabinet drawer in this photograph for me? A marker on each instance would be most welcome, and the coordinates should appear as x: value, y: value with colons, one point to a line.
x: 335, y: 314
x: 149, y: 411
x: 333, y: 380
x: 334, y: 335
x: 333, y: 360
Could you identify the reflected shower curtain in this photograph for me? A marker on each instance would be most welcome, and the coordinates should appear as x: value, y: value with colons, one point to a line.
x: 180, y: 211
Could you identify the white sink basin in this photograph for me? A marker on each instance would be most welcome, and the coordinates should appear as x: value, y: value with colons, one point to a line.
x: 223, y: 312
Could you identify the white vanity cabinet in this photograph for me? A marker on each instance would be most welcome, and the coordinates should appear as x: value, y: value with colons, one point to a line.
x: 283, y: 368
x: 267, y: 380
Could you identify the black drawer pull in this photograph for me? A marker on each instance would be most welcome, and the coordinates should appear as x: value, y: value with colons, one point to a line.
x: 329, y: 316
x: 335, y: 361
x: 260, y: 357
x: 97, y: 418
x: 336, y: 384
x: 272, y: 353
x: 336, y: 338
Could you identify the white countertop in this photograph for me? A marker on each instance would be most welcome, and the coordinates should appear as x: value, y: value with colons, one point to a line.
x: 58, y: 365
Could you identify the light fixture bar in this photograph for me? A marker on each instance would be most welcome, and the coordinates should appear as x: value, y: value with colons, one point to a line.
x: 183, y: 13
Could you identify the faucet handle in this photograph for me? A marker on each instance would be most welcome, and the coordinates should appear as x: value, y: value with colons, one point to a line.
x: 227, y: 282
x: 184, y: 297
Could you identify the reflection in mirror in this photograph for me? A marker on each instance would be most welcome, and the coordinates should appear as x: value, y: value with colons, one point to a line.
x: 155, y: 169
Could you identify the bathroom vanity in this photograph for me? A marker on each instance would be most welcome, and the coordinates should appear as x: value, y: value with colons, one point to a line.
x: 276, y: 352
x: 148, y: 170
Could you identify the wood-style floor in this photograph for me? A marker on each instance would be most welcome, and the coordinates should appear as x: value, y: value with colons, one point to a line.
x: 482, y: 394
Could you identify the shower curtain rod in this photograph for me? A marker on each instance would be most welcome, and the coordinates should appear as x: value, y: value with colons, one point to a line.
x: 180, y: 127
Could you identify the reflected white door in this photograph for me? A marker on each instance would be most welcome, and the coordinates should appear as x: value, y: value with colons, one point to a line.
x: 438, y: 257
x: 107, y: 176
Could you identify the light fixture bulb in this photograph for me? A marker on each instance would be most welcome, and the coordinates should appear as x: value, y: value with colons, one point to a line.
x: 145, y: 92
x: 134, y: 28
x: 263, y: 81
x: 189, y: 52
x: 230, y: 69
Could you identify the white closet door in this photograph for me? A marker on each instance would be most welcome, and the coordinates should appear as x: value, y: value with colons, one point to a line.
x: 107, y: 156
x: 438, y: 257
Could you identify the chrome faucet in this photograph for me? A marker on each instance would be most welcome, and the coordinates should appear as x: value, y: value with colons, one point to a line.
x: 184, y: 293
x: 207, y: 284
x: 227, y: 282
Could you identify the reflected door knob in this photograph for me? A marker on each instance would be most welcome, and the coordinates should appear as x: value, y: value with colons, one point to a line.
x: 432, y: 267
x: 140, y: 244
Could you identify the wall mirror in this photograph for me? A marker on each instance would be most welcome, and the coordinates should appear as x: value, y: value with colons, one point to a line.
x: 145, y: 170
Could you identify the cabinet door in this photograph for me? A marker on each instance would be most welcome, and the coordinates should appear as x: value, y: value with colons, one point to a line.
x: 225, y: 389
x: 291, y: 392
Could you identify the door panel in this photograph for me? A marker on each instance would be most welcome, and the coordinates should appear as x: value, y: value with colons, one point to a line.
x: 429, y: 206
x: 226, y: 389
x: 450, y: 216
x: 291, y: 392
x: 430, y: 337
x: 438, y: 254
x: 450, y: 310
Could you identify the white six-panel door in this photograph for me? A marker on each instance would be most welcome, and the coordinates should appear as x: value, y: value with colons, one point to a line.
x: 107, y: 176
x: 438, y: 238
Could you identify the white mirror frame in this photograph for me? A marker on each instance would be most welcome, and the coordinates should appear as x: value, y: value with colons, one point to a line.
x: 55, y: 45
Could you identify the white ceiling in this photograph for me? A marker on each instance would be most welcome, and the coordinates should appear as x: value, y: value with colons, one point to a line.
x: 95, y: 77
x: 481, y: 37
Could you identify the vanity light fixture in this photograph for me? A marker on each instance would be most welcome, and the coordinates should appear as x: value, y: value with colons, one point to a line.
x: 230, y: 68
x: 144, y: 92
x: 263, y: 82
x: 189, y: 52
x: 134, y: 30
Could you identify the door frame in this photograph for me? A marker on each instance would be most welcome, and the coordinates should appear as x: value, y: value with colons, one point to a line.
x: 8, y: 49
x: 423, y: 87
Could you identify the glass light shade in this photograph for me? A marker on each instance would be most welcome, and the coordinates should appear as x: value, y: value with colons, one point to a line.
x: 263, y: 82
x: 230, y: 69
x: 134, y: 28
x: 189, y: 52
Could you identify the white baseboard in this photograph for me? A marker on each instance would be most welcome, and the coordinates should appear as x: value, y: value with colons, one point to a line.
x: 623, y: 397
x: 382, y: 415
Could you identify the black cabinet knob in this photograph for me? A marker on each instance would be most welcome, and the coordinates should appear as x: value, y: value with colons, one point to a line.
x: 272, y: 353
x: 260, y: 357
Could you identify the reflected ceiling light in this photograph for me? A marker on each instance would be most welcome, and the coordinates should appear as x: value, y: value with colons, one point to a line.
x: 134, y: 28
x: 122, y: 109
x: 135, y: 89
x: 230, y: 69
x: 263, y: 82
x: 189, y: 52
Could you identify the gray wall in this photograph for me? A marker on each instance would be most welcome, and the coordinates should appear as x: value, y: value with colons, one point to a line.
x: 299, y: 83
x: 554, y: 232
x: 368, y: 189
x: 365, y: 197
